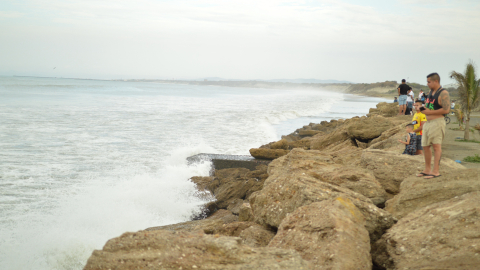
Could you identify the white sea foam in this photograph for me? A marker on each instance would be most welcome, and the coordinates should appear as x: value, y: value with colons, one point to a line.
x: 84, y: 161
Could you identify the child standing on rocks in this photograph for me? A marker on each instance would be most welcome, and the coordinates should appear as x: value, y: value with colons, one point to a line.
x: 411, y: 143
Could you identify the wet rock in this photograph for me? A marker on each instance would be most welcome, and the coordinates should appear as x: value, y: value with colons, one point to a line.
x: 331, y: 234
x: 264, y: 153
x: 416, y: 192
x: 229, y: 185
x: 188, y: 250
x: 391, y: 168
x: 443, y: 235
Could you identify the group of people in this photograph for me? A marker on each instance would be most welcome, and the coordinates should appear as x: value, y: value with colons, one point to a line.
x: 427, y: 129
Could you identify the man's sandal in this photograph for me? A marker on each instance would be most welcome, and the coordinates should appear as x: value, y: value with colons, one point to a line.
x: 431, y: 176
x: 422, y: 174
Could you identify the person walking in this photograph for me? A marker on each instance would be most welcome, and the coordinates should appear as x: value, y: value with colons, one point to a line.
x: 402, y: 97
x: 436, y: 106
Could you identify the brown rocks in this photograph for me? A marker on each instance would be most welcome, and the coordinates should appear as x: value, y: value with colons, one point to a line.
x: 367, y: 129
x: 229, y: 185
x: 416, y: 192
x: 443, y: 235
x: 391, y: 168
x: 209, y: 225
x: 290, y: 186
x: 331, y: 234
x: 384, y: 109
x: 189, y: 250
x: 264, y: 153
x: 321, y: 167
x: 245, y: 212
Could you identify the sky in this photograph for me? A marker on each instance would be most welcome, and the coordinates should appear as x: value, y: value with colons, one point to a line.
x: 358, y: 41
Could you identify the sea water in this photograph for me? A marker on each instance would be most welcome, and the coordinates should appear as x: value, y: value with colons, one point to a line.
x: 82, y: 161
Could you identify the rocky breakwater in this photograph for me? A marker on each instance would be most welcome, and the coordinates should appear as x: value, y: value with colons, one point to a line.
x: 341, y: 196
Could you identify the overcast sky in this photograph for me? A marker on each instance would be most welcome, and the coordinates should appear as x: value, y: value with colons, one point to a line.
x: 358, y: 41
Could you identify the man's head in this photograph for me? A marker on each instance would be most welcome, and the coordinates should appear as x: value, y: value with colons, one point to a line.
x: 403, y: 81
x: 409, y: 128
x: 418, y: 104
x: 433, y: 81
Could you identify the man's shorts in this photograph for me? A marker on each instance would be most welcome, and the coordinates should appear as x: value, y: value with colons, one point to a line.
x: 402, y: 100
x: 433, y: 132
x: 419, y: 142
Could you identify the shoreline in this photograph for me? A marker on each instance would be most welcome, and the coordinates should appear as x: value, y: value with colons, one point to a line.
x: 333, y: 196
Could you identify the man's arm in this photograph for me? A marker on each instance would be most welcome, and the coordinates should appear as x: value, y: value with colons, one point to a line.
x: 398, y: 91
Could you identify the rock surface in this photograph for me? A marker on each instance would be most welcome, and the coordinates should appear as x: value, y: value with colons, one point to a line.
x: 162, y: 249
x: 331, y: 234
x: 229, y: 185
x: 384, y: 109
x: 391, y: 168
x: 264, y: 153
x: 367, y: 129
x: 416, y: 192
x: 289, y: 187
x: 443, y: 235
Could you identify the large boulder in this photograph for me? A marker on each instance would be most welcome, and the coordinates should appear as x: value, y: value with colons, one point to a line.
x: 384, y: 109
x: 323, y: 168
x: 331, y: 234
x: 291, y: 185
x: 391, y: 168
x: 335, y: 137
x: 265, y: 153
x: 366, y: 129
x: 416, y: 192
x: 162, y: 249
x: 443, y: 235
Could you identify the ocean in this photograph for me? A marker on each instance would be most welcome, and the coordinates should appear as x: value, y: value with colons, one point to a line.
x: 82, y: 161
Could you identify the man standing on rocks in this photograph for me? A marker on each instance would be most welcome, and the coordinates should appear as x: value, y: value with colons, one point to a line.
x: 436, y: 106
x: 402, y: 97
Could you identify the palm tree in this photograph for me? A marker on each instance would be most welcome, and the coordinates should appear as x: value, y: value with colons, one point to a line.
x: 469, y: 90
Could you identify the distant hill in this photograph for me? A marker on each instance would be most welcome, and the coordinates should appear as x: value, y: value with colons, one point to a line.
x: 307, y: 81
x: 218, y: 79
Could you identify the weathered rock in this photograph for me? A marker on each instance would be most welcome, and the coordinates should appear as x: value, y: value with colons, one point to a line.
x: 245, y: 213
x: 331, y: 234
x: 367, y: 128
x: 322, y: 141
x: 416, y: 192
x: 264, y: 153
x: 234, y: 207
x: 188, y: 250
x: 444, y: 235
x: 229, y: 185
x: 282, y: 144
x: 256, y: 236
x: 210, y: 225
x: 384, y: 109
x: 201, y: 182
x: 290, y: 186
x: 391, y: 168
x: 388, y: 140
x: 308, y: 133
x: 321, y: 167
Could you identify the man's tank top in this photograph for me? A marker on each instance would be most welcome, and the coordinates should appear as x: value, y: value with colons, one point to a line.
x: 432, y: 100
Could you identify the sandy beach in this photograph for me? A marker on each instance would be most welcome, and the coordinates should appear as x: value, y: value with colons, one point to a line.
x: 457, y: 150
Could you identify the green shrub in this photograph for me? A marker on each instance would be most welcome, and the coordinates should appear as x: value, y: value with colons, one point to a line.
x: 475, y: 159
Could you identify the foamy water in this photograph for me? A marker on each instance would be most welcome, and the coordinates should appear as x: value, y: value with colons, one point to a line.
x: 82, y: 161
